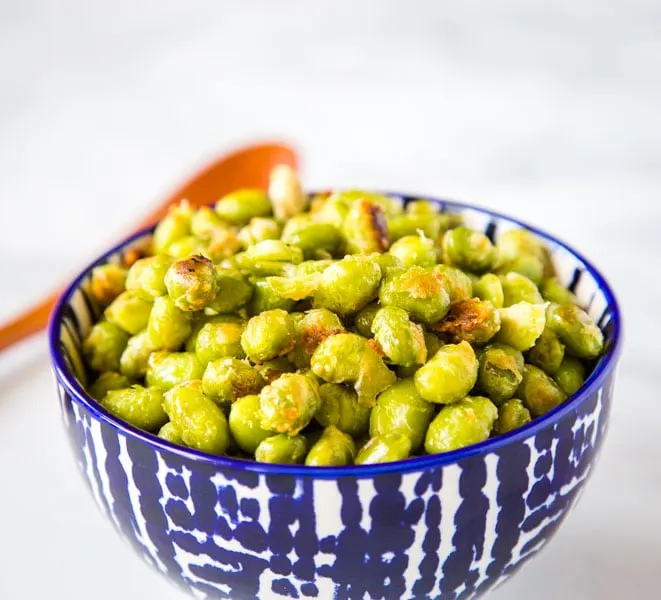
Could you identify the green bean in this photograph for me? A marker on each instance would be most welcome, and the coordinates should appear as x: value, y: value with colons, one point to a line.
x: 468, y: 249
x: 289, y: 403
x: 348, y: 358
x: 365, y: 228
x: 401, y: 410
x: 547, y: 353
x: 570, y: 376
x: 419, y: 291
x: 146, y: 277
x: 518, y: 288
x: 333, y: 449
x: 168, y: 326
x: 500, y: 372
x: 191, y: 283
x: 138, y: 406
x: 107, y: 282
x: 388, y: 447
x: 227, y: 379
x: 401, y: 340
x: 129, y: 311
x: 488, y: 287
x: 474, y: 321
x: 414, y: 250
x: 244, y: 423
x: 539, y: 392
x: 110, y: 380
x: 240, y: 206
x: 576, y: 330
x: 449, y: 375
x: 521, y: 325
x: 348, y: 285
x: 282, y: 449
x: 167, y: 369
x: 201, y: 424
x: 461, y: 424
x: 340, y: 407
x: 512, y: 415
x: 104, y: 345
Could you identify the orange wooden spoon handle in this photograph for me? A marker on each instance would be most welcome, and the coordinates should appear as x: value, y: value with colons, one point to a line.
x: 247, y: 167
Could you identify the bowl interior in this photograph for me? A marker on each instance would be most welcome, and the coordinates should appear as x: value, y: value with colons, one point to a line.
x: 77, y: 311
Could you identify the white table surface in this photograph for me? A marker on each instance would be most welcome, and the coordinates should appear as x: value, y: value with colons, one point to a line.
x: 549, y: 111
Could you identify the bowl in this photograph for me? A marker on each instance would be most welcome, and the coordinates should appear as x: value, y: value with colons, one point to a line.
x: 451, y: 525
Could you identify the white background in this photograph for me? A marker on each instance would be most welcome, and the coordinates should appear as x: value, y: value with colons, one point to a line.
x: 546, y: 110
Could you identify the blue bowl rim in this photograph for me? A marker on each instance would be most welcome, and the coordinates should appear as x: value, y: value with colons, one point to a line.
x: 604, y: 367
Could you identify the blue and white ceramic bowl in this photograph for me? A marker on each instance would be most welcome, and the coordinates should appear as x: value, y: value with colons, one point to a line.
x: 447, y: 526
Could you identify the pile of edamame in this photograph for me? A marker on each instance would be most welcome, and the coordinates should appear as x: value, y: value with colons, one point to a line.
x: 337, y: 329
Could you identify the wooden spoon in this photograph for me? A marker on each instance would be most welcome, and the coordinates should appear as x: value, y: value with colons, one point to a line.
x: 247, y: 167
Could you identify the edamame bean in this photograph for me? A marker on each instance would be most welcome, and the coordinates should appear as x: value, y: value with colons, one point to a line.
x: 539, y: 392
x: 191, y: 283
x: 419, y: 291
x: 576, y: 330
x: 384, y: 448
x: 333, y: 449
x: 168, y: 327
x: 461, y: 424
x: 245, y: 423
x: 500, y: 372
x: 401, y: 410
x: 512, y: 415
x: 139, y: 406
x: 201, y: 424
x: 401, y: 340
x: 129, y: 311
x: 570, y: 375
x: 227, y: 379
x: 267, y: 335
x: 104, y: 345
x: 339, y: 406
x: 167, y: 369
x: 547, y: 353
x: 449, y: 375
x: 282, y: 449
x: 289, y: 403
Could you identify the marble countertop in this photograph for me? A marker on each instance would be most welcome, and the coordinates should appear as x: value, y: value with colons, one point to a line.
x: 545, y: 111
